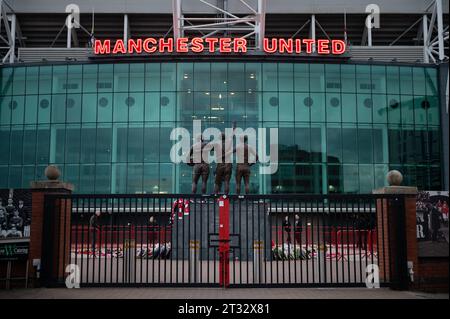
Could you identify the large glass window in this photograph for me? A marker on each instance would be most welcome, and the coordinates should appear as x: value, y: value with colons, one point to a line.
x: 342, y: 126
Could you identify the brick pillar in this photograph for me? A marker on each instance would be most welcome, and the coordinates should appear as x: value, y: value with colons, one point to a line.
x: 397, y: 243
x: 56, y: 219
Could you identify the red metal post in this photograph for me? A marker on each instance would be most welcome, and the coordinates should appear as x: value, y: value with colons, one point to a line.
x: 224, y: 241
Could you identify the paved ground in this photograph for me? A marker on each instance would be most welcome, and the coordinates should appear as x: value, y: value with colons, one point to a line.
x: 216, y: 293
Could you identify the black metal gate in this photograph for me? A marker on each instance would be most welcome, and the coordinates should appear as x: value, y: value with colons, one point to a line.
x: 178, y: 240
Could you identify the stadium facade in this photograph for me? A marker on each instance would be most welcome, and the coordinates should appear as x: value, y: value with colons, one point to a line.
x: 344, y: 119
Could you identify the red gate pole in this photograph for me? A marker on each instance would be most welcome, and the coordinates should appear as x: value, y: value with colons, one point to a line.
x: 224, y: 241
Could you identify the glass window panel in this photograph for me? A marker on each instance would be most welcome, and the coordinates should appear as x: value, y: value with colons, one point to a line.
x: 363, y: 81
x: 167, y: 106
x: 308, y: 179
x: 219, y: 106
x: 348, y: 78
x: 406, y: 83
x: 44, y: 108
x: 431, y: 81
x: 333, y: 107
x: 60, y: 138
x: 137, y: 79
x: 29, y: 145
x: 136, y: 107
x: 185, y: 76
x: 285, y: 77
x: 349, y: 144
x: 365, y: 106
x: 436, y: 178
x: 87, y: 154
x: 90, y: 72
x: 151, y: 179
x: 433, y: 111
x: 72, y: 144
x: 32, y: 81
x: 17, y: 112
x: 286, y: 107
x: 43, y: 145
x: 58, y: 108
x: 120, y: 112
x: 253, y: 106
x: 301, y: 77
x: 365, y: 145
x: 420, y: 109
x: 366, y: 179
x: 87, y: 178
x: 89, y: 104
x: 165, y: 143
x: 202, y: 78
x: 152, y: 106
x: 334, y: 144
x: 286, y: 137
x: 121, y: 77
x: 270, y: 106
x: 419, y: 81
x: 31, y: 106
x: 151, y: 145
x: 152, y: 77
x: 394, y: 109
x: 349, y: 108
x: 75, y: 78
x: 16, y: 140
x: 302, y: 111
x: 236, y: 77
x: 119, y: 178
x: 317, y: 107
x: 395, y: 145
x: 5, y: 109
x: 253, y: 77
x: 220, y: 79
x: 3, y: 177
x: 15, y: 176
x: 335, y: 178
x: 333, y: 78
x: 351, y: 179
x: 134, y: 178
x: 380, y: 144
x: 421, y: 144
x: 316, y: 144
x: 302, y: 144
x: 407, y: 109
x: 378, y: 79
x: 73, y: 106
x: 168, y: 77
x: 59, y: 84
x: 106, y: 78
x: 19, y: 81
x: 270, y: 77
x: 103, y: 179
x: 45, y: 80
x: 392, y: 80
x: 135, y: 144
x: 103, y: 144
x: 434, y: 140
x: 104, y: 107
x: 166, y: 172
x: 6, y: 79
x: 120, y: 143
x: 27, y: 176
x: 380, y: 108
x: 380, y: 172
x: 316, y: 78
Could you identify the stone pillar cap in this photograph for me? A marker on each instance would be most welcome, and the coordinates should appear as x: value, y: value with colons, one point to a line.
x: 406, y: 190
x: 51, y: 184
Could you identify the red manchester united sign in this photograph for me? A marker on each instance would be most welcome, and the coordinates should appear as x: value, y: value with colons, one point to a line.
x: 220, y: 45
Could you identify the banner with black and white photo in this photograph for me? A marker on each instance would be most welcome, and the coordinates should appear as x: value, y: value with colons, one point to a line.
x: 15, y: 221
x: 432, y: 223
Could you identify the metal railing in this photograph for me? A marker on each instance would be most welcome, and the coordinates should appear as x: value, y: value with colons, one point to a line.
x: 163, y: 239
